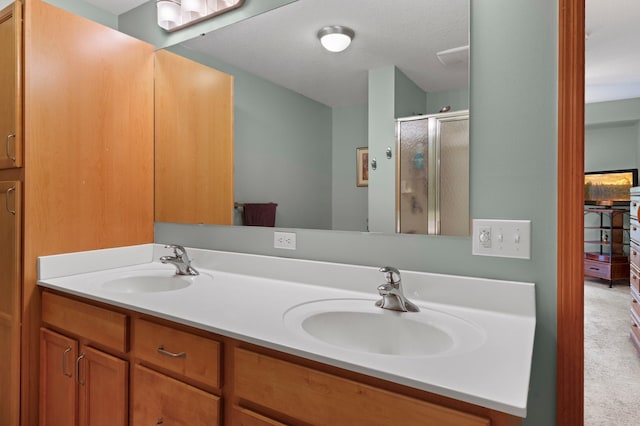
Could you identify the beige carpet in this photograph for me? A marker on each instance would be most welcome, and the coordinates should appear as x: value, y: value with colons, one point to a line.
x: 611, y: 363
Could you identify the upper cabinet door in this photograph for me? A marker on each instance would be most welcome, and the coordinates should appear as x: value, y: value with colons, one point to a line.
x: 193, y: 142
x: 10, y: 86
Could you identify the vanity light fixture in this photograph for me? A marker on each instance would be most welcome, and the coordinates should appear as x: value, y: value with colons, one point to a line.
x: 336, y: 38
x: 174, y: 15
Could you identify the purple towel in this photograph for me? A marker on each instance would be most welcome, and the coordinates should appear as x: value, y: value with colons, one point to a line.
x: 259, y: 214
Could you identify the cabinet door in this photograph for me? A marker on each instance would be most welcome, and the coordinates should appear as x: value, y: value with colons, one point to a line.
x: 10, y: 201
x: 103, y: 388
x: 10, y: 86
x: 193, y: 142
x: 58, y: 390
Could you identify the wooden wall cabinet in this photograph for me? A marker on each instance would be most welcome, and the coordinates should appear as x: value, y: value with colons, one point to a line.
x: 181, y: 375
x: 79, y: 98
x: 194, y: 142
x: 11, y: 86
x: 10, y: 255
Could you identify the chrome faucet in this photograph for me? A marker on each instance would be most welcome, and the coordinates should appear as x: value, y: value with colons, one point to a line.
x: 391, y: 292
x: 180, y: 260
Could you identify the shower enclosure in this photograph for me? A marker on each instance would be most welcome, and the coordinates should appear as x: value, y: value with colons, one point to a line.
x: 432, y: 174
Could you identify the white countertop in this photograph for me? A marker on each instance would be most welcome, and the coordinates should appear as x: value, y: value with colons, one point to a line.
x: 250, y: 294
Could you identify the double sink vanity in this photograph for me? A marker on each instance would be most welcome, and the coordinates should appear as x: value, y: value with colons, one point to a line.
x: 257, y: 340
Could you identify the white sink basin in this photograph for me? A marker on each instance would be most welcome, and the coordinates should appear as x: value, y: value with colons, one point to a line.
x: 153, y: 280
x: 358, y: 325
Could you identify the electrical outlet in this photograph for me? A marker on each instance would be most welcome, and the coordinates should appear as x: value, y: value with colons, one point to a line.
x: 284, y: 240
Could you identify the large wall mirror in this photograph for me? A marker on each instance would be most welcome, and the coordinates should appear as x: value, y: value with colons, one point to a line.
x: 301, y: 112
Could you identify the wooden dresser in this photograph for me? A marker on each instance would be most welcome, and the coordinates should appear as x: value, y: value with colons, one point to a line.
x: 634, y: 275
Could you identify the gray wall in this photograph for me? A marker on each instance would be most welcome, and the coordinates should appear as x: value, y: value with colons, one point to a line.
x: 612, y: 135
x: 87, y: 10
x: 349, y: 206
x: 457, y: 99
x: 513, y: 175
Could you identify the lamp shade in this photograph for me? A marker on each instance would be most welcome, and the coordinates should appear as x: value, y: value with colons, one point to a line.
x: 168, y: 14
x: 335, y: 38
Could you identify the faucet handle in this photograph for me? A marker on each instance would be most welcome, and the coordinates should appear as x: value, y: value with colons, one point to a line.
x: 178, y: 250
x: 388, y: 272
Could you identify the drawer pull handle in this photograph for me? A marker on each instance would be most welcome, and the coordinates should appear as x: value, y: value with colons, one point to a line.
x: 634, y: 301
x: 6, y: 200
x: 634, y: 204
x: 594, y: 269
x: 6, y: 147
x: 164, y: 352
x: 78, y: 381
x: 64, y: 361
x: 160, y: 421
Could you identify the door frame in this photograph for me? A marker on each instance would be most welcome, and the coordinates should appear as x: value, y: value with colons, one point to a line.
x: 570, y: 232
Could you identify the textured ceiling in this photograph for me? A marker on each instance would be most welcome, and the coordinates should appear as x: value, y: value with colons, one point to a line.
x: 281, y: 45
x: 612, y: 58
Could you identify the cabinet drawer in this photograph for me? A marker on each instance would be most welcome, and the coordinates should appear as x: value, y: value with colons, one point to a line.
x: 635, y: 325
x: 159, y: 399
x: 320, y: 399
x: 192, y: 356
x: 635, y: 307
x: 634, y: 278
x: 634, y: 230
x: 634, y: 255
x: 244, y: 417
x: 634, y: 207
x: 97, y: 325
x: 596, y: 269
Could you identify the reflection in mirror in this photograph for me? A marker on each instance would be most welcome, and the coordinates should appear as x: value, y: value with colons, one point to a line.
x: 300, y: 112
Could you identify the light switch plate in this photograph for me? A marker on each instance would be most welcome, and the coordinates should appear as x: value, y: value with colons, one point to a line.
x: 502, y: 238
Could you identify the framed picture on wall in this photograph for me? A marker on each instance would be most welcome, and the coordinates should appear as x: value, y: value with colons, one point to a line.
x: 362, y: 166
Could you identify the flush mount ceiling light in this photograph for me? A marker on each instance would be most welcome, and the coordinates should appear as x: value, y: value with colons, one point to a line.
x: 174, y: 15
x: 336, y: 38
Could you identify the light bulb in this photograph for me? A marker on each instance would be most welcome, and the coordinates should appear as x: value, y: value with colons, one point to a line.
x: 168, y: 14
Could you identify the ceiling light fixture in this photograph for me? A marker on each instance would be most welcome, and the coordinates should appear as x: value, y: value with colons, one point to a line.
x: 174, y: 15
x: 336, y: 38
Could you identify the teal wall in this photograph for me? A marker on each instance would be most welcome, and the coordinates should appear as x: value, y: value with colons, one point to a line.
x: 409, y: 98
x: 457, y: 99
x: 88, y: 11
x: 381, y: 115
x: 513, y: 175
x: 612, y: 135
x: 282, y: 148
x: 349, y: 206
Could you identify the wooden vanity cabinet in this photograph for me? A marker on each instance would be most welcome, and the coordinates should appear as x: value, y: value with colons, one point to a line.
x: 79, y: 383
x: 11, y: 86
x: 315, y: 397
x: 184, y: 376
x: 176, y: 376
